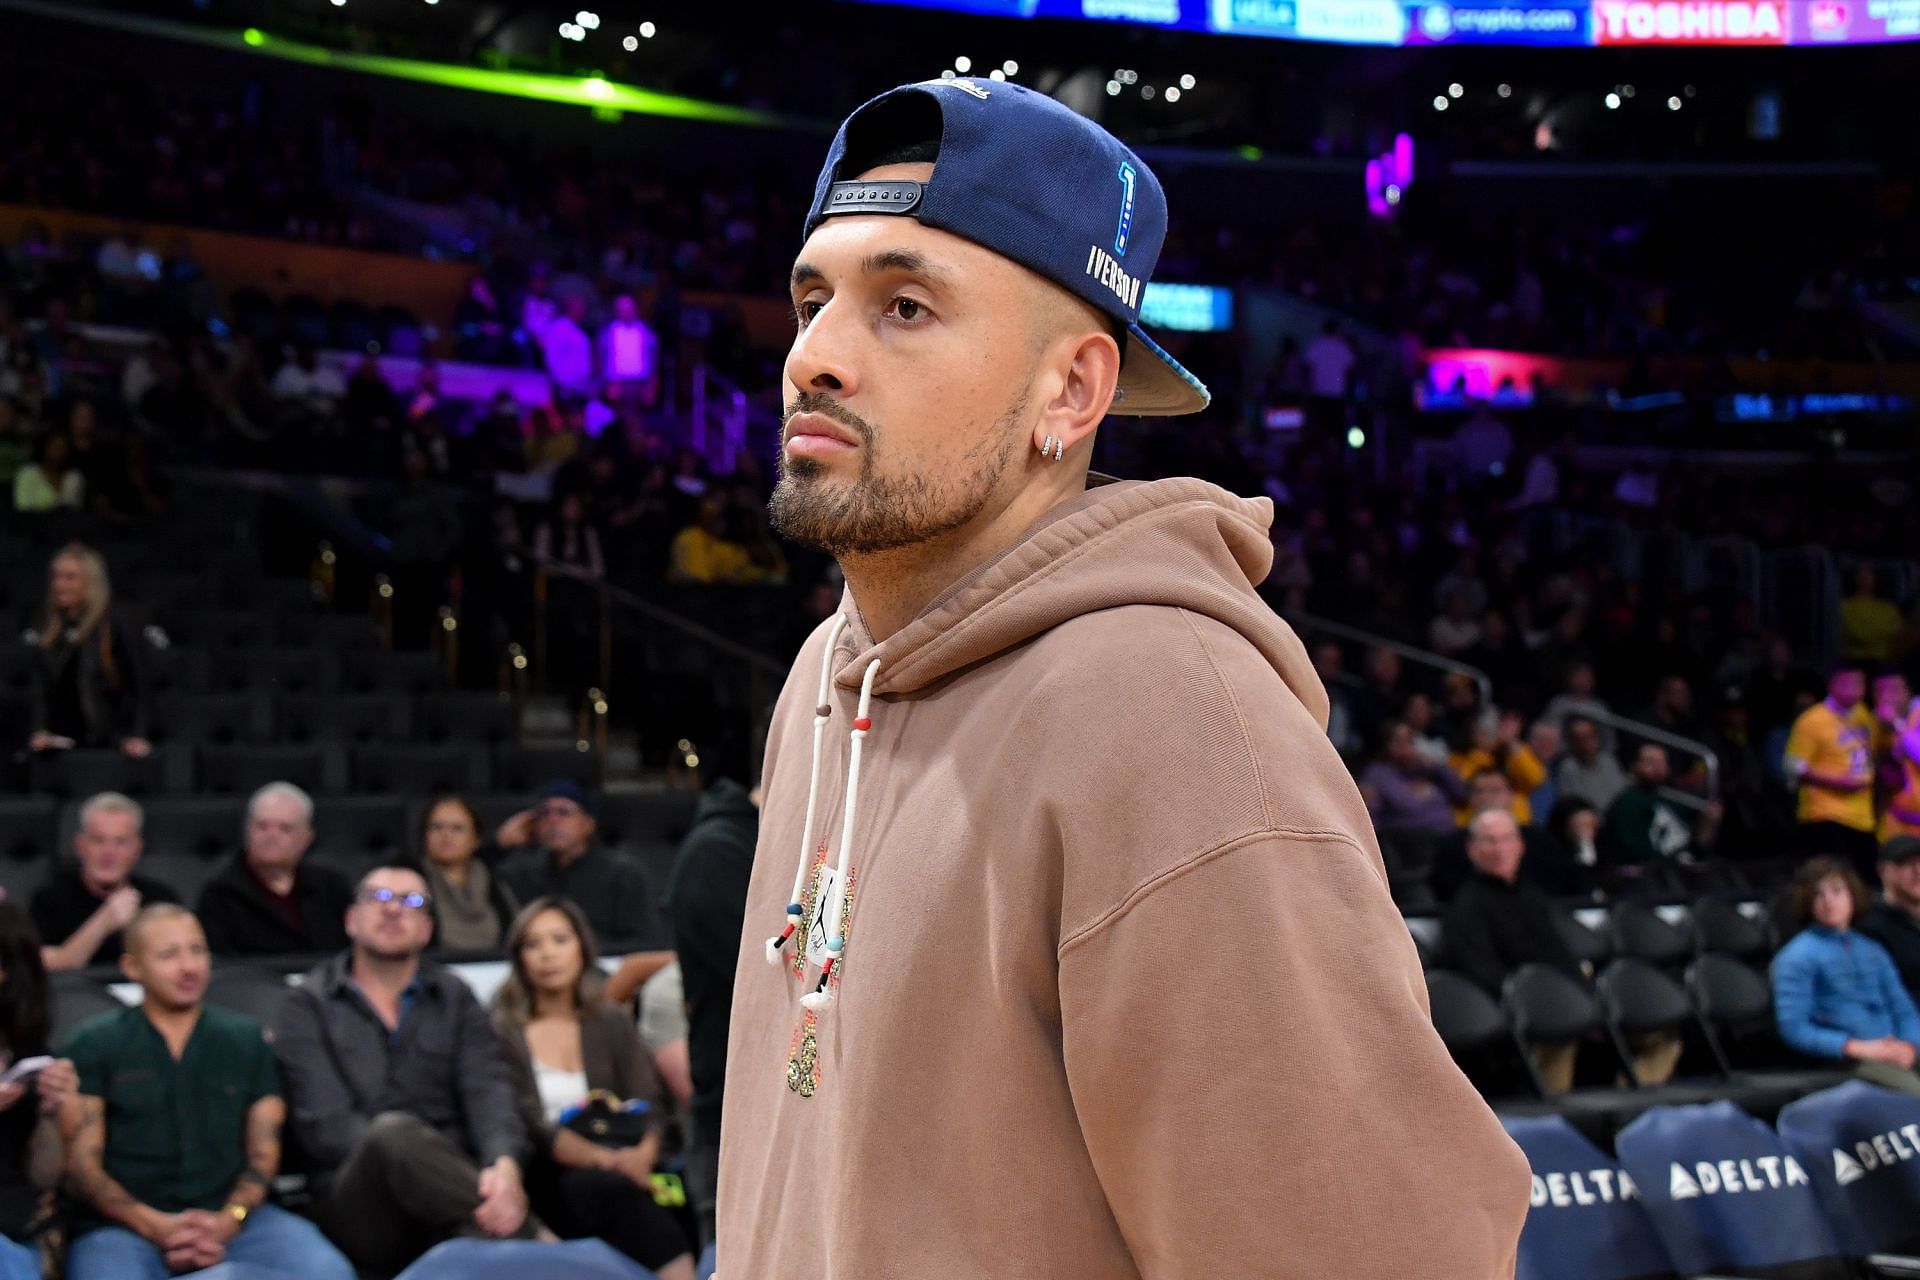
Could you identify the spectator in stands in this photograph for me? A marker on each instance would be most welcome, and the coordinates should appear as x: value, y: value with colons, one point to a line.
x: 1499, y: 921
x: 90, y: 901
x: 1643, y: 829
x: 471, y: 907
x: 1383, y: 691
x: 1489, y: 791
x: 29, y: 1164
x: 552, y: 852
x: 1330, y: 363
x: 399, y: 1096
x: 270, y: 899
x: 1898, y: 733
x: 564, y: 1041
x: 1829, y: 756
x: 1419, y: 716
x: 702, y: 552
x: 304, y: 383
x: 16, y: 444
x: 1329, y: 660
x: 173, y: 1137
x: 1869, y: 623
x: 706, y: 904
x: 1894, y: 922
x: 1836, y: 994
x: 1574, y: 827
x: 1672, y: 707
x: 567, y: 351
x: 1493, y: 744
x: 1407, y: 791
x: 1457, y: 629
x: 1544, y: 740
x: 1587, y: 772
x: 50, y: 481
x: 89, y: 686
x: 567, y: 542
x: 628, y: 351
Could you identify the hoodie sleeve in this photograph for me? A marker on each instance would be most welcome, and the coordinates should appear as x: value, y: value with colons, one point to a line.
x: 1175, y: 1034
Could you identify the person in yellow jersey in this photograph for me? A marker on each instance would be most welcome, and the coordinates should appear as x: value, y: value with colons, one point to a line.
x: 1830, y: 757
x: 1898, y: 713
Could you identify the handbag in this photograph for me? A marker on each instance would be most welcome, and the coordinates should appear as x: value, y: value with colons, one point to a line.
x: 603, y: 1119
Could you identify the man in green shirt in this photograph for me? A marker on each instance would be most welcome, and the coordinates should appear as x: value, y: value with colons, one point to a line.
x: 173, y: 1138
x: 1644, y: 828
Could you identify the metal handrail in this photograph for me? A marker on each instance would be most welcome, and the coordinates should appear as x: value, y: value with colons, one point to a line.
x: 1424, y: 657
x: 664, y: 616
x: 1654, y: 733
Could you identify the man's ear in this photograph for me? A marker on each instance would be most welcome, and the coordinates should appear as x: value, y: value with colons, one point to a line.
x: 1081, y: 371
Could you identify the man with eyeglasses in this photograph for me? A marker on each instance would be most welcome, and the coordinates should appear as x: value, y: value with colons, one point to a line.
x: 553, y: 852
x: 398, y: 1095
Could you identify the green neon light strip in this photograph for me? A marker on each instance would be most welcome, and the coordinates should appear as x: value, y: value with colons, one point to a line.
x: 581, y: 91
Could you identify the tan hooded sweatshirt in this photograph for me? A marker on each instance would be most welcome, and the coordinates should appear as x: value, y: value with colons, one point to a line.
x: 1122, y: 994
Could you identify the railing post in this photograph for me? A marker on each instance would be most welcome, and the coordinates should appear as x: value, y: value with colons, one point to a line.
x: 540, y: 625
x: 606, y: 638
x: 383, y: 608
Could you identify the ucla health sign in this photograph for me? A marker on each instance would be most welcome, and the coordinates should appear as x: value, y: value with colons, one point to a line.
x: 1511, y: 22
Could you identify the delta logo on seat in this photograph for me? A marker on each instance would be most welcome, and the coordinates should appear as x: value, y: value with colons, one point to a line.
x: 1583, y: 1187
x: 1735, y: 1177
x: 1895, y: 1146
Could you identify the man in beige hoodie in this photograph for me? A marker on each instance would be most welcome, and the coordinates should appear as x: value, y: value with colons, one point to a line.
x: 1070, y: 950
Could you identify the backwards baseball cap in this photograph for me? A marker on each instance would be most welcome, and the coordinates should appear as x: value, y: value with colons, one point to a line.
x: 1032, y: 180
x: 1900, y: 848
x: 566, y: 789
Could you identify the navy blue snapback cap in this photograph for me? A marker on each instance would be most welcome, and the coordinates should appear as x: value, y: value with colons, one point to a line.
x: 1034, y: 181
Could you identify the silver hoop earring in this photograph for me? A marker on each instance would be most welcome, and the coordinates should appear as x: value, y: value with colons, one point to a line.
x: 1046, y: 446
x: 1059, y: 448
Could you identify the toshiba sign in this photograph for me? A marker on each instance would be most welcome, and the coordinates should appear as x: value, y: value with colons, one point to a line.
x: 1690, y: 21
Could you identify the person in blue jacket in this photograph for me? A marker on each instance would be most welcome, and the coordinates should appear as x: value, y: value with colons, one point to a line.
x: 1836, y: 993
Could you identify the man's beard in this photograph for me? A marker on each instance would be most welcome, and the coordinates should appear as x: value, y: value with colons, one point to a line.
x: 883, y: 513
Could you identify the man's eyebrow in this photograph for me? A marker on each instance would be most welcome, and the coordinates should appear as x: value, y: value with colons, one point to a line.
x: 905, y: 261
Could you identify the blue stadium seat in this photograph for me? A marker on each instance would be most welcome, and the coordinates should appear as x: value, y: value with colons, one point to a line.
x: 1860, y: 1143
x: 1726, y: 1195
x: 1586, y: 1220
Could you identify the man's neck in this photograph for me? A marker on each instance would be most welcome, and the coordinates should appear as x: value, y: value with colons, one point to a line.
x: 174, y: 1025
x: 1900, y: 902
x: 278, y: 880
x: 563, y: 858
x: 100, y: 888
x: 892, y: 588
x: 383, y: 975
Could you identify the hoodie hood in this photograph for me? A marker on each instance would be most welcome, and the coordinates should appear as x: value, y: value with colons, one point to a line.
x: 1182, y: 543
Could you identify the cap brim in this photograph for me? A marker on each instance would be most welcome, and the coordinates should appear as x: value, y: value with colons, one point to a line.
x: 1153, y: 384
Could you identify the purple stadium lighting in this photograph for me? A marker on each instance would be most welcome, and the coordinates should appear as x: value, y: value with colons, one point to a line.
x: 1389, y: 175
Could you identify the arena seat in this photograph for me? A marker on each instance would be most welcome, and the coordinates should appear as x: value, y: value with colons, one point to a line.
x: 184, y: 873
x: 208, y: 828
x: 175, y: 670
x: 28, y: 828
x: 1726, y: 1195
x: 1587, y: 1220
x: 252, y: 990
x: 523, y: 768
x: 278, y: 670
x: 318, y: 769
x: 202, y: 628
x: 1637, y: 999
x: 350, y: 718
x: 76, y: 998
x: 209, y: 719
x: 371, y: 829
x: 649, y: 825
x: 1735, y: 1005
x: 1860, y: 1144
x: 1721, y: 928
x: 380, y: 671
x: 1639, y: 931
x: 419, y: 769
x: 1589, y: 946
x: 478, y: 718
x: 81, y: 773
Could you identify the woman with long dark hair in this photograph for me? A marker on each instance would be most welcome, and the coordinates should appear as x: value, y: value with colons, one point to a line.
x: 471, y: 906
x: 29, y: 1146
x: 564, y: 1041
x: 88, y: 687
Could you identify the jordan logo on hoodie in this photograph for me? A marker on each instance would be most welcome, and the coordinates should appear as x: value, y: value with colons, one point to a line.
x: 803, y: 1057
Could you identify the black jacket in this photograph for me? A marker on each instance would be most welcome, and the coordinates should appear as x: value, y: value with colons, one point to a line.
x: 242, y: 919
x: 342, y: 1068
x: 1899, y: 932
x: 1492, y: 928
x: 706, y: 902
x: 114, y: 695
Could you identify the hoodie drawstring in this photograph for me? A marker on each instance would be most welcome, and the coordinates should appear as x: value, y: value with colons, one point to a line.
x: 822, y: 712
x: 822, y: 996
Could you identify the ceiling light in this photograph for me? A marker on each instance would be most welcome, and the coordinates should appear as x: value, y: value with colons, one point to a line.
x: 588, y: 19
x: 630, y: 44
x: 1011, y: 67
x: 1187, y: 82
x: 1146, y: 91
x: 1673, y: 104
x: 1613, y: 102
x: 1689, y: 91
x: 1626, y: 91
x: 1440, y: 102
x: 1173, y: 94
x: 1505, y: 91
x: 647, y: 30
x: 963, y: 64
x: 996, y: 74
x: 1113, y: 88
x: 1454, y: 90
